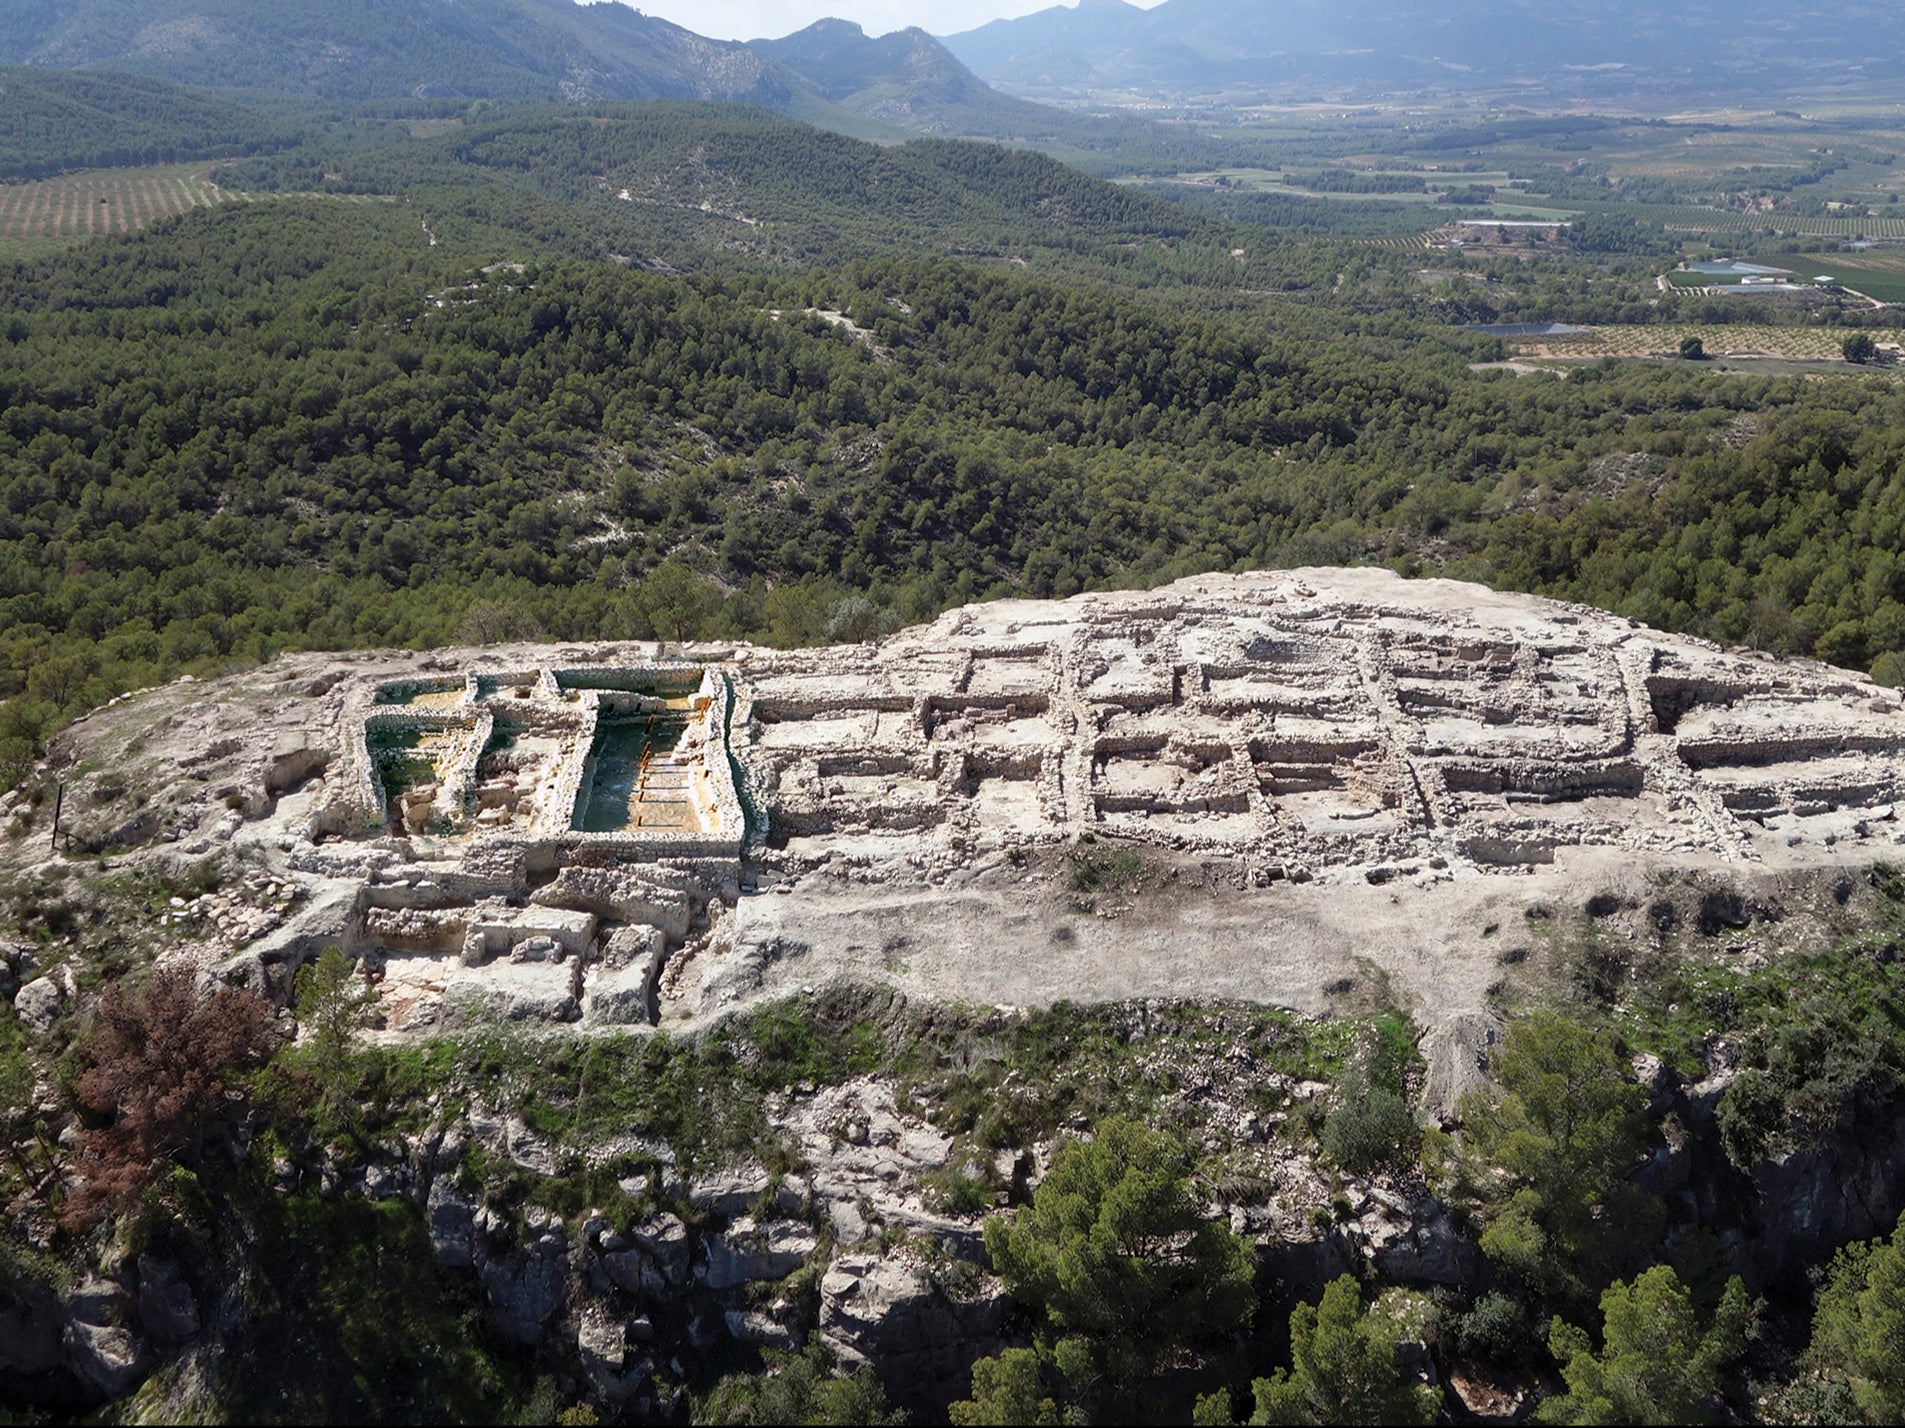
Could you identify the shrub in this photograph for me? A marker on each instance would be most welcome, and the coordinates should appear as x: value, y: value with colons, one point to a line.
x: 1858, y: 1330
x: 158, y: 1065
x: 1496, y: 1328
x: 1656, y: 1364
x: 1343, y: 1369
x: 1098, y: 869
x: 1369, y: 1127
x: 1115, y: 1254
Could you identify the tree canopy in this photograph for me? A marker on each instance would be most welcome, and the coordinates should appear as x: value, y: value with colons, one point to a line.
x: 1858, y: 1328
x: 1657, y: 1365
x: 1115, y: 1255
x: 1557, y: 1141
x: 158, y: 1063
x: 1343, y: 1368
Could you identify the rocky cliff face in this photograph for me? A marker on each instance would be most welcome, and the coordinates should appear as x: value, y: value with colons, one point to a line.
x: 855, y: 1239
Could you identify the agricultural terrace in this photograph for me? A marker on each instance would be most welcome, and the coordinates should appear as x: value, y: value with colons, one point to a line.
x: 50, y: 213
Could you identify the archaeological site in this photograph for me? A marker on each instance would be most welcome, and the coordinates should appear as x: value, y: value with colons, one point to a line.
x: 1308, y: 767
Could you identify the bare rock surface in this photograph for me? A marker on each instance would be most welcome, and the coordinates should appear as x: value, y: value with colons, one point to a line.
x: 888, y: 1312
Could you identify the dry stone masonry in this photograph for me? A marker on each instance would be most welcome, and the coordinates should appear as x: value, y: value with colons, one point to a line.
x: 1312, y: 766
x: 1318, y: 721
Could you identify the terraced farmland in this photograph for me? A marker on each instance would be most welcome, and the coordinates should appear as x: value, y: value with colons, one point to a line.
x: 50, y: 213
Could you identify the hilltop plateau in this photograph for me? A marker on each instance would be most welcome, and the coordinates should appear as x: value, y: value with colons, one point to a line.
x: 662, y: 764
x: 672, y: 1004
x: 1277, y: 773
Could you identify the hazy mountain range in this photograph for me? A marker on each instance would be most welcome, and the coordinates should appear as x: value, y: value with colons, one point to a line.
x: 1185, y: 48
x: 499, y: 49
x: 834, y: 74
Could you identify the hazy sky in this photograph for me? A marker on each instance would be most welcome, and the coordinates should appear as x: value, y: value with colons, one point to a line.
x: 771, y: 19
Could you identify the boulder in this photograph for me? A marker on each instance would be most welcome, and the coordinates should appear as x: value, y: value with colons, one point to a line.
x: 602, y: 1346
x: 1653, y: 1076
x: 732, y: 1192
x: 760, y: 1330
x: 1422, y: 1245
x: 635, y: 1273
x: 451, y: 1219
x: 1849, y: 1186
x: 167, y: 1309
x: 385, y: 1182
x: 38, y: 1005
x: 527, y: 1288
x: 97, y: 1301
x: 168, y: 1312
x: 920, y: 1340
x: 105, y: 1359
x: 665, y: 1240
x: 539, y: 948
x: 748, y: 1252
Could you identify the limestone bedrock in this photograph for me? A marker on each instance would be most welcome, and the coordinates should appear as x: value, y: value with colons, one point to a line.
x: 1260, y: 786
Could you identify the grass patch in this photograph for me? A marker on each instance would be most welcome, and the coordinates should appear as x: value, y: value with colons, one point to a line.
x: 1008, y: 1082
x: 1094, y: 867
x: 997, y: 1081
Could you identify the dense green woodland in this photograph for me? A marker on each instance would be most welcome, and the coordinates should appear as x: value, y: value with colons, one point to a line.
x: 51, y: 122
x: 302, y: 425
x: 720, y: 184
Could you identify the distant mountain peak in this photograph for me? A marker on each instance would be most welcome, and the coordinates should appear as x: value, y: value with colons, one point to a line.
x: 839, y: 59
x: 830, y: 29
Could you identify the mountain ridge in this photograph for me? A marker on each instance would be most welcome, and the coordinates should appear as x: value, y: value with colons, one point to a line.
x: 1185, y: 48
x: 329, y: 49
x: 905, y: 78
x: 831, y: 74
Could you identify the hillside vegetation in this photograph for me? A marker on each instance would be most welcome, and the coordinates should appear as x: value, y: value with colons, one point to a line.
x: 343, y: 49
x: 51, y: 122
x: 702, y: 185
x: 307, y: 424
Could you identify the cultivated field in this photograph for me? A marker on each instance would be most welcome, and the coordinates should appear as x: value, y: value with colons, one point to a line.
x: 1881, y: 278
x: 51, y: 213
x: 1792, y: 344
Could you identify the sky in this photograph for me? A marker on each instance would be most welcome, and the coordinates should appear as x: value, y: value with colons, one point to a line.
x: 771, y: 19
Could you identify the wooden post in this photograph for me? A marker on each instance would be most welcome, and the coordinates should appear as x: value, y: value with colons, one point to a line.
x: 59, y: 798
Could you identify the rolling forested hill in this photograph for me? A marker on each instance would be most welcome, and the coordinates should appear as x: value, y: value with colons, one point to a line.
x: 344, y: 49
x: 622, y: 368
x: 684, y: 185
x: 416, y: 52
x: 52, y: 121
x: 305, y: 423
x: 338, y: 50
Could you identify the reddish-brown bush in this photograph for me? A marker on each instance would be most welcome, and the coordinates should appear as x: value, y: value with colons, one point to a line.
x: 158, y: 1066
